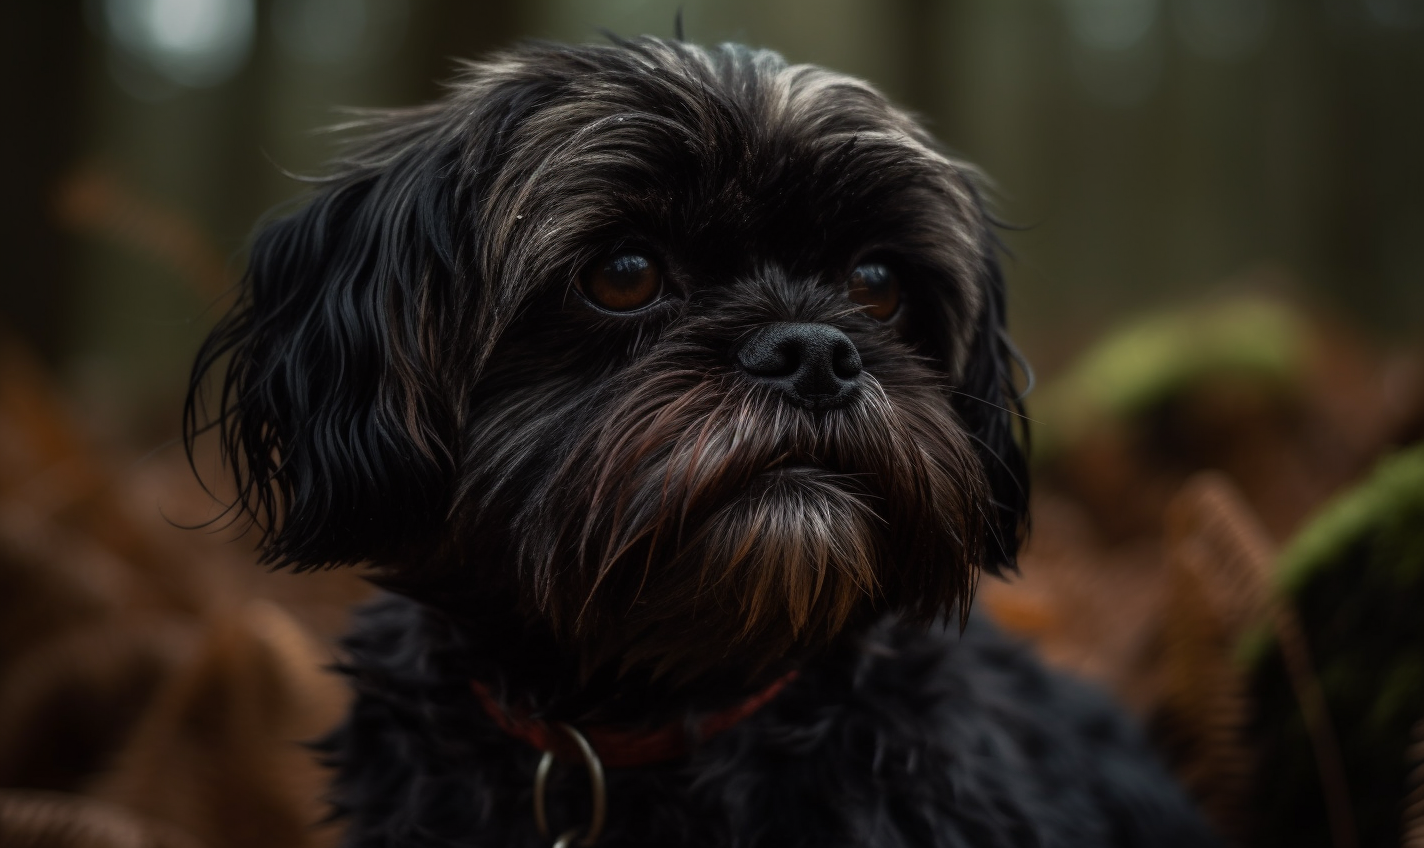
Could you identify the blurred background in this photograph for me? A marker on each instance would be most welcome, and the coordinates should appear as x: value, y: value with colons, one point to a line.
x: 1217, y: 271
x: 1154, y: 151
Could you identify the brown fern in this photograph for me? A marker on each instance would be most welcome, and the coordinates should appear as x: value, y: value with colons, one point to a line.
x: 52, y: 819
x: 1218, y: 561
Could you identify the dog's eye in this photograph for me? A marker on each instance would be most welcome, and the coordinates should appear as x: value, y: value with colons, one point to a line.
x: 625, y: 282
x: 875, y: 287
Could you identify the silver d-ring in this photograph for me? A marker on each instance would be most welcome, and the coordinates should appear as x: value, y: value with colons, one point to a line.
x: 541, y: 779
x: 597, y: 786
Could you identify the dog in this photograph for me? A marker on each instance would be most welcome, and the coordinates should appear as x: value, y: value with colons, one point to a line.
x: 667, y: 392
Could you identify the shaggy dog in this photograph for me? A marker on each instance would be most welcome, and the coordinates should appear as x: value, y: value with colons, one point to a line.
x: 666, y: 389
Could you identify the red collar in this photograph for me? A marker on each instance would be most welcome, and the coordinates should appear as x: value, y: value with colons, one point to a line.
x: 622, y: 748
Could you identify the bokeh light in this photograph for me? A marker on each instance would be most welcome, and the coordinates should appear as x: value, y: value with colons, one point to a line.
x: 194, y: 43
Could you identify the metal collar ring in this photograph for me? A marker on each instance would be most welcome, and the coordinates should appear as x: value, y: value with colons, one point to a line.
x: 597, y: 787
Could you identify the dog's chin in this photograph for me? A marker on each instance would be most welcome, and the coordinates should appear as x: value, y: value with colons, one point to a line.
x: 775, y: 573
x: 799, y: 550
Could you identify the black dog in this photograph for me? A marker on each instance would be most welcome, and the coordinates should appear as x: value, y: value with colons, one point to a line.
x: 667, y: 390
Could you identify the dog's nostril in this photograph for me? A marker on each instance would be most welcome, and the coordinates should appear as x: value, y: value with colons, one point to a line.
x: 771, y: 356
x: 845, y: 360
x: 813, y: 364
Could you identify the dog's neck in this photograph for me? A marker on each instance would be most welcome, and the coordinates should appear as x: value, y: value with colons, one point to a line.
x: 523, y: 664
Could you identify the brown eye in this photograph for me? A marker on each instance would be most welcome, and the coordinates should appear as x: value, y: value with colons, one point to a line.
x: 875, y: 287
x: 623, y: 283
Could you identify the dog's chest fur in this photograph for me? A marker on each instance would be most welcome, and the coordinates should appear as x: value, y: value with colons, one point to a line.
x: 903, y: 739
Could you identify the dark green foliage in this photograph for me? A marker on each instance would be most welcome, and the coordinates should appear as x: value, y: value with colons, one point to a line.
x: 1356, y: 579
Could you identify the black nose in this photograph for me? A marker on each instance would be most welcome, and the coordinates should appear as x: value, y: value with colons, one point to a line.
x: 815, y: 365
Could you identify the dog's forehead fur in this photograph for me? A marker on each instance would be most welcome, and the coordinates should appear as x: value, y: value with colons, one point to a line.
x: 729, y: 158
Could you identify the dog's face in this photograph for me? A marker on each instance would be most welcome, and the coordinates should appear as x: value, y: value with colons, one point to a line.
x: 694, y: 356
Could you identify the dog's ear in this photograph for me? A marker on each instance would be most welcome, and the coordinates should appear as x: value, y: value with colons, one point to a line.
x: 991, y: 405
x: 333, y: 415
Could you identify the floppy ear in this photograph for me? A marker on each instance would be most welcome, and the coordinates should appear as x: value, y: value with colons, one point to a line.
x: 991, y: 406
x: 333, y: 417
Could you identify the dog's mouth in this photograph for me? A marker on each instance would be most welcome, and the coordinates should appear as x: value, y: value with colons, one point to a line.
x: 795, y: 458
x: 795, y: 465
x: 804, y: 476
x: 788, y: 473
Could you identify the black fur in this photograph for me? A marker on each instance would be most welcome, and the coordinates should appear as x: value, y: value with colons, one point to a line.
x: 901, y: 739
x: 599, y: 515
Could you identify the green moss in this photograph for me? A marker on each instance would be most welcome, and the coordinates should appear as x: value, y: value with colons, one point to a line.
x: 1154, y: 358
x: 1389, y: 505
x: 1355, y: 577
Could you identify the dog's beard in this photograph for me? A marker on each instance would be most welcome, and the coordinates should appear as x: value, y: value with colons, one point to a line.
x: 699, y: 521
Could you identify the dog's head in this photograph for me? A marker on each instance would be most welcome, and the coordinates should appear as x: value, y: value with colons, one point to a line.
x: 696, y: 356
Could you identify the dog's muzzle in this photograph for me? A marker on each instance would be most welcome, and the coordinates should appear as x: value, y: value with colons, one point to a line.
x: 813, y: 365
